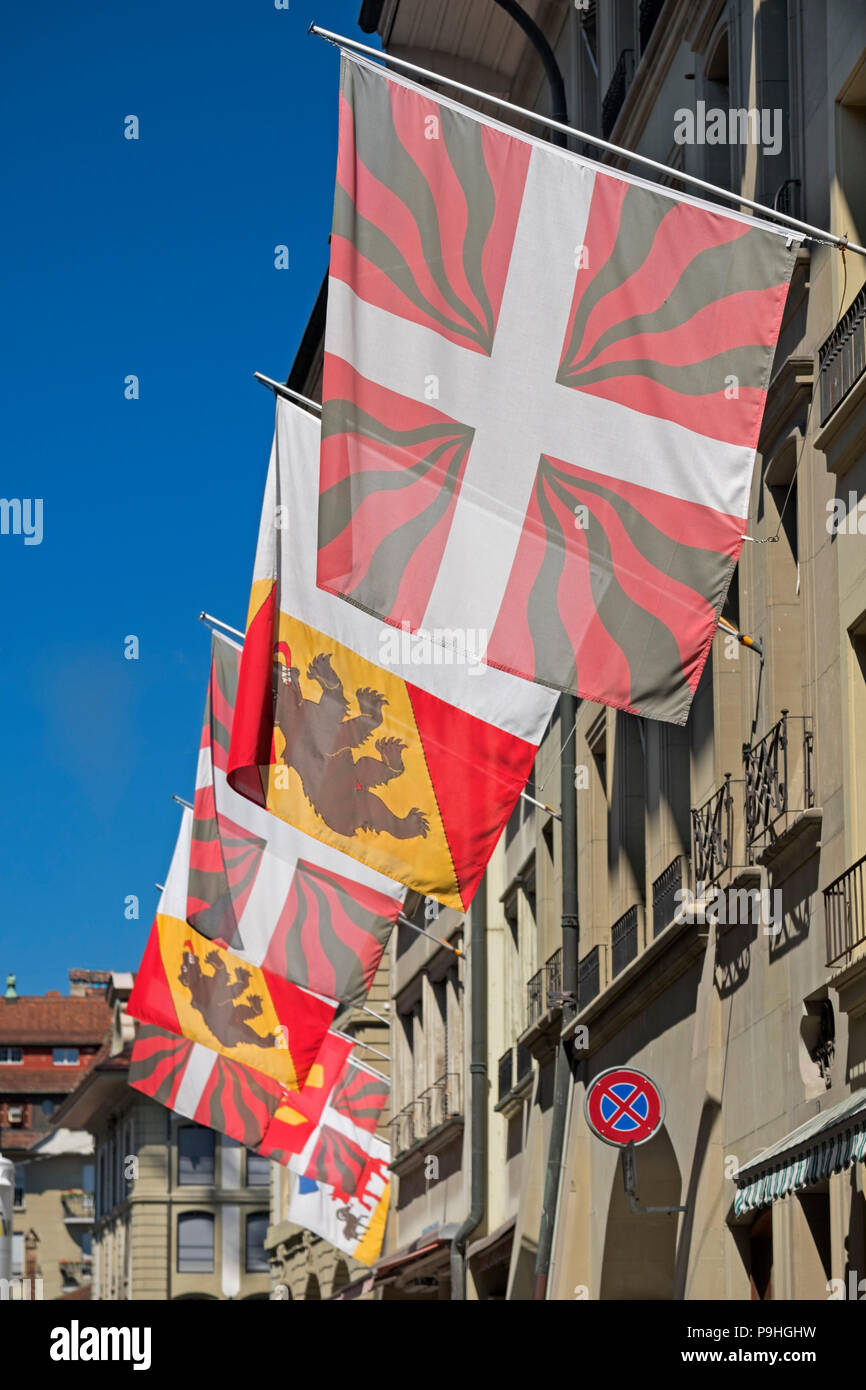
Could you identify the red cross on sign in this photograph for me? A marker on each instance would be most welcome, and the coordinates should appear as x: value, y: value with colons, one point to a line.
x: 623, y: 1106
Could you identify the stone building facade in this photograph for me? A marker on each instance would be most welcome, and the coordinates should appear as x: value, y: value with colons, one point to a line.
x: 180, y: 1211
x: 720, y: 866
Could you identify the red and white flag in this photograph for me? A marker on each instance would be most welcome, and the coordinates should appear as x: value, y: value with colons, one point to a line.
x: 277, y: 897
x: 357, y: 734
x: 543, y: 390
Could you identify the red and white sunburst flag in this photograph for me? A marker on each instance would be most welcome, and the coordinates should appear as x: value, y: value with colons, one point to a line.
x: 543, y: 389
x: 275, y: 896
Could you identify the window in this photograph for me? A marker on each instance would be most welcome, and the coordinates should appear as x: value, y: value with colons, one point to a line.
x: 257, y: 1257
x: 10, y: 1055
x: 48, y: 1106
x: 195, y: 1155
x: 66, y: 1056
x: 195, y: 1242
x: 258, y: 1170
x: 18, y: 1199
x: 15, y: 1114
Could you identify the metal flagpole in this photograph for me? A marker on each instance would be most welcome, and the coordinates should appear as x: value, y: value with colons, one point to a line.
x: 374, y: 1050
x: 216, y: 622
x: 542, y: 805
x: 404, y: 922
x: 364, y: 1009
x: 180, y: 801
x: 280, y: 389
x: 738, y: 198
x: 742, y: 637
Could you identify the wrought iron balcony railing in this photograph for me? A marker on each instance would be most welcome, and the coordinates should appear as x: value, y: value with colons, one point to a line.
x: 768, y: 789
x: 76, y: 1271
x: 429, y: 1110
x: 544, y: 983
x: 623, y: 942
x: 514, y: 1065
x: 506, y: 1073
x: 845, y: 913
x: 78, y: 1206
x: 441, y: 1100
x: 615, y: 94
x: 402, y: 1129
x: 589, y: 977
x: 842, y: 358
x: 665, y: 890
x: 713, y: 835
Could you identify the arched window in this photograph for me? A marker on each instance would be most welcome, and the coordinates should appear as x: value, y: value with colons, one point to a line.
x: 195, y: 1242
x: 195, y: 1155
x: 257, y: 1256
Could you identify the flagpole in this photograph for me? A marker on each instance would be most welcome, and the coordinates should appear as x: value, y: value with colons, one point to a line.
x: 742, y: 637
x: 542, y: 805
x: 738, y: 198
x: 404, y: 922
x: 280, y: 389
x: 217, y: 622
x: 180, y: 801
x: 373, y: 1014
x: 356, y: 1042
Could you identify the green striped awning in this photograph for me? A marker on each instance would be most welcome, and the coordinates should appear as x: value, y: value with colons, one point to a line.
x: 829, y: 1142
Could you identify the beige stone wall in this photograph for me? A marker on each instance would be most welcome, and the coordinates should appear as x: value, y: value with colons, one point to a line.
x: 44, y: 1213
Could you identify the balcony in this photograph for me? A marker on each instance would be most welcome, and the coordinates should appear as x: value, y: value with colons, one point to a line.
x: 845, y: 915
x: 615, y: 94
x: 842, y: 358
x: 623, y: 942
x: 545, y: 982
x: 589, y: 977
x: 514, y: 1067
x: 78, y: 1207
x: 779, y: 785
x: 665, y: 891
x: 75, y: 1273
x: 713, y: 835
x: 434, y: 1108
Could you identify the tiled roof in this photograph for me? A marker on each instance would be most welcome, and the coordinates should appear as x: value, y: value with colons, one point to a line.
x: 40, y: 1081
x: 17, y: 1140
x: 60, y: 1019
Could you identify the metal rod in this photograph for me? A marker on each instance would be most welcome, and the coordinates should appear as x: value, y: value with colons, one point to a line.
x: 217, y: 622
x: 542, y: 805
x: 280, y: 389
x: 373, y: 1014
x: 180, y: 801
x: 356, y: 1042
x: 160, y: 886
x: 742, y: 637
x: 404, y: 922
x: 805, y: 227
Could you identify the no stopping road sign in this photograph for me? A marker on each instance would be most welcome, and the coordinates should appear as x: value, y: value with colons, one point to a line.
x: 624, y: 1106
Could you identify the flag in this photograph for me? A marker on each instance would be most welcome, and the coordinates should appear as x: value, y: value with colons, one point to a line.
x: 203, y: 1086
x: 280, y: 898
x: 214, y: 1091
x: 204, y: 992
x: 338, y: 1149
x: 347, y: 730
x: 353, y: 1223
x: 543, y: 390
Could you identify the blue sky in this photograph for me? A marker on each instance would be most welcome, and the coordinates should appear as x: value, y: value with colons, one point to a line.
x: 152, y: 257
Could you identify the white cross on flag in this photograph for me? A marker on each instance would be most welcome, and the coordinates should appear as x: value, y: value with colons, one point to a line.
x: 543, y: 391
